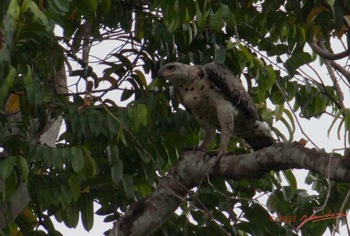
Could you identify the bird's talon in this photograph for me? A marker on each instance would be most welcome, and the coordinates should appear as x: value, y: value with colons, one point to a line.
x: 193, y: 149
x: 211, y: 154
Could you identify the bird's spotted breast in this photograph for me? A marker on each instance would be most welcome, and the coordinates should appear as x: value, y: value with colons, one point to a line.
x: 203, y: 99
x: 197, y: 93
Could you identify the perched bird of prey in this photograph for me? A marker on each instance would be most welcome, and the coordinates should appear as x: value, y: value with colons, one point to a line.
x: 217, y: 100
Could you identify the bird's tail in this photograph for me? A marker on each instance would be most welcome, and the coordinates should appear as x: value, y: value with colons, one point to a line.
x: 261, y: 137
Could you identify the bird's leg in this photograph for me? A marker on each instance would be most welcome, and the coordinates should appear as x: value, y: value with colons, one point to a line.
x: 226, y: 120
x: 209, y: 136
x: 224, y: 140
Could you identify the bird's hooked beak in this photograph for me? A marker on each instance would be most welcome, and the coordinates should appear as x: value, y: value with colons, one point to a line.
x: 162, y: 73
x: 167, y: 71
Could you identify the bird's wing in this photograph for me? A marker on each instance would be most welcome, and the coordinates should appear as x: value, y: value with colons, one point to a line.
x: 231, y: 87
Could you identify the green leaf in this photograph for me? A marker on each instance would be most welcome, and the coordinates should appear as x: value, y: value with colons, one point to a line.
x: 346, y: 113
x: 276, y: 202
x: 34, y: 94
x: 90, y: 166
x: 201, y: 18
x: 291, y: 119
x: 57, y: 160
x: 296, y: 61
x: 6, y: 167
x: 127, y: 93
x: 66, y: 193
x: 117, y: 171
x: 220, y: 54
x: 72, y: 215
x: 128, y: 185
x: 124, y: 60
x: 143, y: 154
x: 288, y: 193
x: 288, y: 174
x: 289, y: 128
x: 58, y: 6
x: 246, y: 53
x: 121, y: 136
x: 220, y: 216
x: 141, y: 77
x: 14, y: 9
x: 113, y: 153
x: 271, y: 77
x: 216, y: 20
x: 74, y: 186
x: 6, y: 85
x: 259, y: 220
x: 24, y: 167
x: 11, y: 184
x: 77, y: 159
x: 279, y: 108
x: 25, y: 5
x: 38, y: 14
x: 142, y: 114
x: 87, y: 212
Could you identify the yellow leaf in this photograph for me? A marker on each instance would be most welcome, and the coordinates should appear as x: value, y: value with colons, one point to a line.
x: 303, y: 141
x: 12, y: 104
x: 314, y: 12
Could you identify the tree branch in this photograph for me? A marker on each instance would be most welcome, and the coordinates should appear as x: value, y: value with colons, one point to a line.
x: 144, y: 217
x: 342, y: 70
x: 325, y: 54
x: 333, y: 78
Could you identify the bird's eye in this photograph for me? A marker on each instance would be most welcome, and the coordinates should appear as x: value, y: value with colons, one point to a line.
x: 171, y: 68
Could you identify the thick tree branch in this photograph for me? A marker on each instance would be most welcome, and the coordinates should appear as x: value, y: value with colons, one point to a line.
x: 143, y: 217
x: 325, y: 54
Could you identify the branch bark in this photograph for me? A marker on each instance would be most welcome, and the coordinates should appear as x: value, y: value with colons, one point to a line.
x: 342, y: 70
x: 144, y: 217
x: 325, y: 54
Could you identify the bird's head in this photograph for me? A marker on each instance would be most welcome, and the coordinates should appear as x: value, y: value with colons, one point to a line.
x: 178, y: 73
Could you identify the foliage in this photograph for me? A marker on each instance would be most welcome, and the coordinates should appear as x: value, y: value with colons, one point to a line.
x: 114, y: 154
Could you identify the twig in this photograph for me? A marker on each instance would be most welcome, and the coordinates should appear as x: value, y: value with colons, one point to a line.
x: 347, y: 197
x: 333, y: 78
x: 328, y: 192
x: 341, y: 70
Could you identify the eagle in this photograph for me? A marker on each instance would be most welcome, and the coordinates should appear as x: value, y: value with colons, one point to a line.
x: 218, y: 101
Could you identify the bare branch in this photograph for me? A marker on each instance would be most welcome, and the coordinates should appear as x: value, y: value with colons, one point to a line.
x: 145, y: 216
x: 86, y: 42
x: 325, y: 54
x: 334, y: 79
x: 341, y: 70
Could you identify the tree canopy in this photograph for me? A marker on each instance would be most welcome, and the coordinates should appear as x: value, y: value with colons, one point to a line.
x: 124, y: 133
